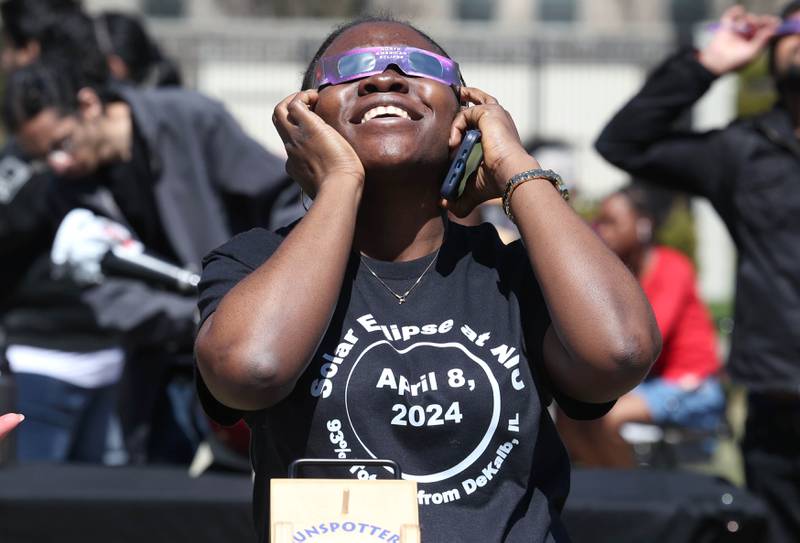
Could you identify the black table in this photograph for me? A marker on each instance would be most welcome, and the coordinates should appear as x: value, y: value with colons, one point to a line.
x: 664, y: 506
x: 84, y: 504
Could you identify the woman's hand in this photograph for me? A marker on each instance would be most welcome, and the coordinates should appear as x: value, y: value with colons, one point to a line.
x: 740, y: 38
x: 503, y: 153
x: 316, y: 151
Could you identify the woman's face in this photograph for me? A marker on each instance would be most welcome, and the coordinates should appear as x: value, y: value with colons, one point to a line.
x: 418, y: 139
x: 617, y: 224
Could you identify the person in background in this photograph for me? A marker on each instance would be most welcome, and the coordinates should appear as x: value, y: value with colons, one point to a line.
x: 133, y: 55
x: 24, y: 219
x: 682, y: 388
x: 58, y: 348
x: 58, y: 31
x: 24, y: 21
x: 64, y: 366
x: 750, y: 172
x: 97, y: 326
x: 169, y: 164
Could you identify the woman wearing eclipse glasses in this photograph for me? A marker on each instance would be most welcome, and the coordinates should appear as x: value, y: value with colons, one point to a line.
x: 375, y: 328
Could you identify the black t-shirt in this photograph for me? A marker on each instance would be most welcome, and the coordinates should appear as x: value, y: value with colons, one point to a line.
x: 448, y: 384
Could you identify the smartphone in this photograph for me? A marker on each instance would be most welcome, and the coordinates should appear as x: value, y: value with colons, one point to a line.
x: 467, y: 159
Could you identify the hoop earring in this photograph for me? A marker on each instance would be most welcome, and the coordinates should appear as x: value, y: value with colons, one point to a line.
x: 303, y: 199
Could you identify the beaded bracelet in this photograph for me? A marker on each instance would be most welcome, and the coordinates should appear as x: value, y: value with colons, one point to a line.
x: 525, y: 176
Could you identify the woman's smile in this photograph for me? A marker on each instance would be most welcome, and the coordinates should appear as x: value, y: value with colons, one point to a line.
x: 385, y: 112
x: 386, y: 106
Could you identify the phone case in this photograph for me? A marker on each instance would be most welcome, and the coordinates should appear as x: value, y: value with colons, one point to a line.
x: 465, y: 162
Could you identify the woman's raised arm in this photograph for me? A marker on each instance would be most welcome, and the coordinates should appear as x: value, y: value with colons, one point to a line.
x: 260, y: 339
x: 603, y: 338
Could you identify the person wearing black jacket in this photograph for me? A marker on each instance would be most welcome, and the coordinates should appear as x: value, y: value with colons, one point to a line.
x: 750, y: 172
x: 189, y: 180
x: 171, y: 165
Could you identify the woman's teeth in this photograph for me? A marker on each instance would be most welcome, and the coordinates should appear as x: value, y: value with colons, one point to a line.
x: 385, y: 111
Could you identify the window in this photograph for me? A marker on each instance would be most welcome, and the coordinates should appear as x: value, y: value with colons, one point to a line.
x: 163, y: 8
x: 557, y: 10
x: 475, y: 9
x: 689, y: 11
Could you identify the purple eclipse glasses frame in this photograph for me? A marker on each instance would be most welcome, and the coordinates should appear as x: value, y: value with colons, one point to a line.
x: 366, y: 61
x: 786, y: 28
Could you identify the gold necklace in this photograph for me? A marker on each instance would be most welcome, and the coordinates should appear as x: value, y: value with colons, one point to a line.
x: 401, y: 298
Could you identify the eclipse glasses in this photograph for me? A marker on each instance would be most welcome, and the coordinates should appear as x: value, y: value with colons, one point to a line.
x: 366, y: 61
x: 791, y: 26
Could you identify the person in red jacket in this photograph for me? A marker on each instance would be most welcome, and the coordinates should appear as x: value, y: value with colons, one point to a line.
x: 681, y: 388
